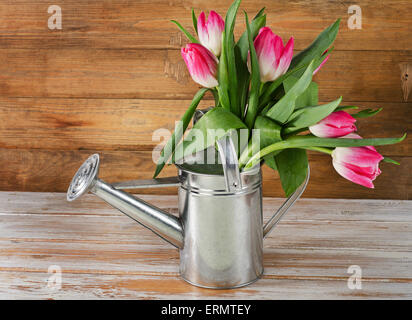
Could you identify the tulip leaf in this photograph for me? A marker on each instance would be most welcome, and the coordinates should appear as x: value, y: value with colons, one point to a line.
x: 340, y: 108
x: 310, y: 115
x: 229, y: 55
x: 187, y: 33
x: 292, y: 165
x: 194, y: 19
x: 269, y: 132
x: 308, y: 98
x: 312, y: 141
x: 389, y: 160
x: 270, y: 90
x: 212, y: 126
x: 241, y: 53
x: 253, y: 102
x: 283, y: 109
x: 318, y: 46
x: 181, y: 127
x: 366, y: 113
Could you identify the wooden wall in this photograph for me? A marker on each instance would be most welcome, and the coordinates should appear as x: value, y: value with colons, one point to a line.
x: 114, y: 74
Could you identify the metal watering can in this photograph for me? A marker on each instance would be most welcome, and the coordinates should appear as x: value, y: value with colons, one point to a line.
x: 219, y: 231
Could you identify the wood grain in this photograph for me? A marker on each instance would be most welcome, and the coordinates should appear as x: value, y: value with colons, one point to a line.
x: 104, y: 254
x: 122, y: 124
x: 114, y: 74
x: 161, y: 74
x: 146, y: 24
x: 52, y: 170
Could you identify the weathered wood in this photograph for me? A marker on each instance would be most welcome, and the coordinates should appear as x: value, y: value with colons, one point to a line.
x: 52, y: 170
x: 162, y: 74
x: 121, y: 124
x: 146, y: 24
x: 103, y: 254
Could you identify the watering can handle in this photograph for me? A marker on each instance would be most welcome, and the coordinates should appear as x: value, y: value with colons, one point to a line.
x: 285, y: 206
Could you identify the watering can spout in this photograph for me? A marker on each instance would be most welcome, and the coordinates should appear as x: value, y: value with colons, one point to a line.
x: 163, y: 224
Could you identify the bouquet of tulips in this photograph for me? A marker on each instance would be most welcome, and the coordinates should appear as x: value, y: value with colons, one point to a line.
x: 261, y: 88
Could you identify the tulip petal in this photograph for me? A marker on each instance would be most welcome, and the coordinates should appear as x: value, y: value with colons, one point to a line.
x: 201, y: 63
x: 337, y: 124
x: 351, y: 175
x: 210, y: 31
x: 360, y: 155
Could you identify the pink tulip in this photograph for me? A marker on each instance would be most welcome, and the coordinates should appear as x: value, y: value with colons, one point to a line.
x: 274, y: 58
x: 210, y: 31
x: 337, y: 124
x: 201, y: 63
x: 322, y: 63
x: 357, y: 164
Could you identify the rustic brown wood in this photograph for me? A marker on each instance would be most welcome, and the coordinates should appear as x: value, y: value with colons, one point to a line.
x: 52, y: 170
x: 114, y: 74
x: 155, y: 74
x: 406, y: 82
x: 103, y: 254
x: 146, y: 24
x: 121, y: 124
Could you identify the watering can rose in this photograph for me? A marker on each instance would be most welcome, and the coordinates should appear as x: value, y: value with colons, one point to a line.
x: 274, y: 58
x: 337, y: 124
x: 201, y: 63
x: 357, y: 164
x: 210, y: 31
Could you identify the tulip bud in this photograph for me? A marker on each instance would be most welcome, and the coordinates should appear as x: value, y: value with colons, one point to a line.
x: 210, y: 31
x: 274, y: 58
x: 201, y: 63
x: 337, y: 124
x: 357, y: 164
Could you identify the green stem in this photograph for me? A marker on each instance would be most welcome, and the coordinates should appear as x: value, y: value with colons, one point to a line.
x: 321, y: 149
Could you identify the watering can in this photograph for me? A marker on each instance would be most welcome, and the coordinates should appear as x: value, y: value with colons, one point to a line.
x: 219, y: 231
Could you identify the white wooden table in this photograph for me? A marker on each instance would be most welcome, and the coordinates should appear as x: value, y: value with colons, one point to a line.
x: 103, y: 254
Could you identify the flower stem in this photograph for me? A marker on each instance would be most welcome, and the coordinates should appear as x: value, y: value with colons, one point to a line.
x: 321, y: 149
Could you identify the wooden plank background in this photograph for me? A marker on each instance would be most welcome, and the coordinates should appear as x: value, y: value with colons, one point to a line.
x: 114, y: 74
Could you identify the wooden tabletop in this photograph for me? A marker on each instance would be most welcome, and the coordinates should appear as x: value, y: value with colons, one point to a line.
x: 104, y: 254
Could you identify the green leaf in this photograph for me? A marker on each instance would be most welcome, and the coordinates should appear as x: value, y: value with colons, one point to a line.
x: 318, y: 46
x: 215, y: 124
x: 310, y: 115
x: 283, y: 109
x: 270, y: 162
x: 389, y: 160
x: 269, y: 132
x: 292, y: 165
x: 366, y: 113
x: 194, y: 19
x: 241, y: 53
x: 253, y: 103
x: 229, y: 55
x: 308, y: 98
x: 259, y: 14
x: 181, y: 127
x: 312, y: 141
x: 340, y: 108
x: 187, y: 34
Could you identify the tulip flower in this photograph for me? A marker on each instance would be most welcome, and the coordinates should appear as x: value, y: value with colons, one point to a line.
x: 201, y: 63
x: 210, y: 31
x: 357, y: 164
x: 322, y: 63
x: 274, y: 58
x: 337, y: 124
